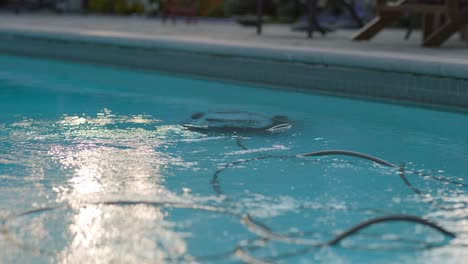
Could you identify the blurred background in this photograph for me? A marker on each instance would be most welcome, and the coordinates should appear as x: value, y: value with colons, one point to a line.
x: 330, y: 14
x: 242, y: 11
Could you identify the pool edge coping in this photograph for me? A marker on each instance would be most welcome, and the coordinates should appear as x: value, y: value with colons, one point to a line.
x: 371, y: 61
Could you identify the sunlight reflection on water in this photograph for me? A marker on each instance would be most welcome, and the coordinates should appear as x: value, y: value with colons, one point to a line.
x: 81, y: 159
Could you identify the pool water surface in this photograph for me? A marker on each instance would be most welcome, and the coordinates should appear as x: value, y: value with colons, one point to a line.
x: 96, y: 164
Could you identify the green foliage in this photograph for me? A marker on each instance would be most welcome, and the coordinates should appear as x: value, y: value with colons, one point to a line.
x: 280, y: 8
x: 216, y: 12
x: 136, y: 8
x: 211, y: 8
x: 285, y: 8
x: 121, y: 7
x: 101, y: 6
x: 240, y: 7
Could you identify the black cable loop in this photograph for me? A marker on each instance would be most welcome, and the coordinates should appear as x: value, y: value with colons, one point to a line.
x: 215, y: 179
x: 256, y: 227
x: 438, y: 178
x: 171, y: 205
x: 266, y: 232
x: 242, y: 253
x: 252, y: 225
x: 363, y: 234
x: 392, y: 218
x: 374, y: 159
x: 215, y: 182
x: 259, y: 228
x: 240, y: 144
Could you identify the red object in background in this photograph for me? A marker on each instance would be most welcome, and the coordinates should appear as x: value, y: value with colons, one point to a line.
x: 173, y: 8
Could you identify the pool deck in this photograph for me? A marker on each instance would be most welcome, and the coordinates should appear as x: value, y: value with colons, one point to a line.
x: 387, y: 53
x: 223, y: 33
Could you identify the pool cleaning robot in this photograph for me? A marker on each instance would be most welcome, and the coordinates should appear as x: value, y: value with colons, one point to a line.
x: 236, y: 122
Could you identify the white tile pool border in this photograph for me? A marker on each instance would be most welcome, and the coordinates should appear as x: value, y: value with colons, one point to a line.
x: 375, y: 75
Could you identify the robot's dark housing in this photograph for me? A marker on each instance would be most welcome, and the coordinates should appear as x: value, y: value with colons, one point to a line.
x: 237, y: 122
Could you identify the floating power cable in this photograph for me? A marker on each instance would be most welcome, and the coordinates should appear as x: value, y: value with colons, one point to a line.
x: 242, y: 252
x: 35, y: 250
x: 287, y: 126
x: 215, y: 181
x: 257, y: 243
x: 348, y: 153
x: 391, y: 218
x: 438, y: 178
x: 39, y: 251
x: 265, y: 232
x: 4, y: 230
x: 253, y: 124
x: 240, y: 144
x: 261, y: 231
x: 252, y: 225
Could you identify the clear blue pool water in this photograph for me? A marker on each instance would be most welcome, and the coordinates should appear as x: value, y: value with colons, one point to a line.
x: 79, y: 143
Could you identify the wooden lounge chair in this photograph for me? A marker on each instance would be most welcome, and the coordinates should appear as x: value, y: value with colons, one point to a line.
x: 173, y: 8
x: 442, y: 18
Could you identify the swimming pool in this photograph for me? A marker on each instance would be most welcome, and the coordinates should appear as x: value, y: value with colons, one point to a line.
x: 96, y: 164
